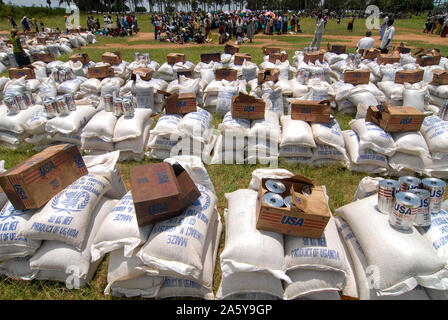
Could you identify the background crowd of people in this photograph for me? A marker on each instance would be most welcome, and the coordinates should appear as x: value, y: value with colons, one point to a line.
x: 119, y: 26
x: 437, y: 23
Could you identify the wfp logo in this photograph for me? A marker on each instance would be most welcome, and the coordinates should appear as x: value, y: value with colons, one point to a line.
x: 72, y: 201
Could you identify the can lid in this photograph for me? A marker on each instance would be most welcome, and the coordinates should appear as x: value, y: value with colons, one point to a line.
x: 273, y: 199
x: 408, y: 199
x: 433, y: 182
x: 420, y: 192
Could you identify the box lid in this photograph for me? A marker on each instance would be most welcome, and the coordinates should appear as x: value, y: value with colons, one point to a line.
x: 315, y: 203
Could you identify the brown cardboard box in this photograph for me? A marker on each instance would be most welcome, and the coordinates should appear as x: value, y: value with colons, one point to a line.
x: 270, y: 50
x: 209, y: 57
x: 240, y: 57
x: 370, y: 54
x: 245, y: 106
x: 428, y: 57
x: 161, y: 191
x: 144, y: 73
x: 440, y: 77
x: 403, y: 50
x: 83, y: 57
x: 101, y: 72
x: 307, y: 217
x: 312, y: 111
x: 226, y: 74
x: 268, y: 75
x: 32, y: 183
x: 27, y: 72
x: 180, y: 103
x: 357, y: 76
x: 42, y: 40
x: 45, y: 57
x: 337, y: 48
x: 231, y: 49
x: 395, y: 119
x: 389, y: 58
x: 172, y: 58
x: 409, y: 76
x: 313, y: 56
x: 273, y: 57
x: 185, y: 73
x: 112, y: 58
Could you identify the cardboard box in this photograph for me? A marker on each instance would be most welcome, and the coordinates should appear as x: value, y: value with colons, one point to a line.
x: 112, y: 58
x: 101, y: 72
x: 83, y: 57
x: 268, y: 75
x: 440, y: 77
x: 271, y: 50
x: 180, y: 103
x: 395, y: 119
x: 172, y: 58
x: 161, y: 191
x: 231, y: 49
x: 45, y: 57
x: 409, y: 76
x: 144, y: 73
x: 209, y: 57
x: 42, y: 40
x: 185, y: 73
x: 245, y: 106
x: 307, y: 217
x: 370, y: 54
x: 312, y: 111
x: 313, y: 56
x: 389, y: 58
x: 273, y: 57
x: 428, y: 57
x: 357, y: 76
x: 17, y: 73
x: 226, y: 74
x: 240, y: 57
x: 337, y: 48
x: 403, y: 50
x: 32, y: 183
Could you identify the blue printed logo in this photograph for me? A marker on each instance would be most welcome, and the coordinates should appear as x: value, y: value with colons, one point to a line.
x: 8, y: 212
x: 163, y: 177
x: 70, y: 201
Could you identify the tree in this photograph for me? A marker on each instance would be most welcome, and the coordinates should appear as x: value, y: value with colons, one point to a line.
x: 49, y: 3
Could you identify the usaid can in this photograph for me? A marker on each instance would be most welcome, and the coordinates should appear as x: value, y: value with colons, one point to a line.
x: 108, y: 101
x: 404, y: 210
x: 436, y: 188
x: 11, y: 104
x: 118, y: 107
x: 50, y: 108
x: 409, y: 183
x: 387, y: 188
x: 423, y: 215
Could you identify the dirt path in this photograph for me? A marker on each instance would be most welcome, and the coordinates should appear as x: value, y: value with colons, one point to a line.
x: 263, y: 40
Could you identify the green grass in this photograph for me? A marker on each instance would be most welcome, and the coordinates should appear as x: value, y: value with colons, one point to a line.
x: 341, y: 184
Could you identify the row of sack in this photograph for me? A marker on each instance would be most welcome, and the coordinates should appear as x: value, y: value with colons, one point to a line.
x: 57, y: 47
x: 177, y: 257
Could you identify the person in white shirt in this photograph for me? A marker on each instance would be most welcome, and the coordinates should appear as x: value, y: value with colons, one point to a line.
x: 320, y: 26
x: 366, y: 43
x: 388, y: 36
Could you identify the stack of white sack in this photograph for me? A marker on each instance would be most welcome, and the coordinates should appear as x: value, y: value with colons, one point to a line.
x: 412, y: 154
x: 232, y: 141
x: 168, y: 72
x: 316, y: 266
x: 297, y: 141
x: 188, y: 85
x: 224, y: 88
x: 164, y: 137
x: 68, y: 128
x: 97, y: 135
x: 253, y: 261
x: 206, y: 71
x: 62, y: 238
x: 435, y: 132
x: 131, y: 134
x: 330, y: 144
x: 178, y: 257
x: 376, y: 274
x: 437, y: 97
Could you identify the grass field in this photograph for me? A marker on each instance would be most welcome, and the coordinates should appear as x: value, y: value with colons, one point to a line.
x: 340, y: 182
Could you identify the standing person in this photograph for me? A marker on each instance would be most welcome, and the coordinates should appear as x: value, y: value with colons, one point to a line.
x: 251, y: 29
x: 67, y: 24
x: 320, y: 26
x: 383, y: 26
x: 386, y: 43
x: 221, y: 32
x: 444, y: 28
x: 365, y: 43
x: 25, y: 24
x: 208, y: 35
x: 117, y: 19
x: 293, y: 23
x: 285, y: 24
x: 350, y: 24
x: 156, y: 28
x: 239, y: 30
x: 19, y: 53
x: 12, y: 22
